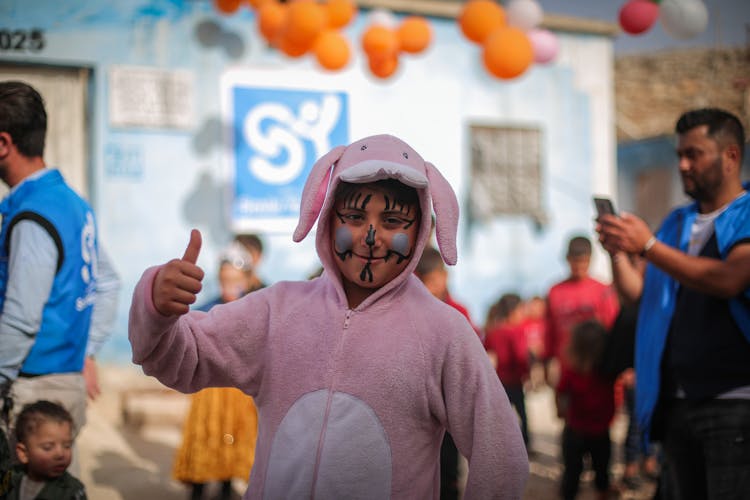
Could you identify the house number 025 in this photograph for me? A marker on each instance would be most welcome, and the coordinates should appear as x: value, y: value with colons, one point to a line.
x: 31, y: 40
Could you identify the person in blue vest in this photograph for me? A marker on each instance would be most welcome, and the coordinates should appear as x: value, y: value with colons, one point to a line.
x: 49, y: 265
x: 692, y: 359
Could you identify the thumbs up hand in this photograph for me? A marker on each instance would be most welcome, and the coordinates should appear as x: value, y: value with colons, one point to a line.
x: 178, y: 282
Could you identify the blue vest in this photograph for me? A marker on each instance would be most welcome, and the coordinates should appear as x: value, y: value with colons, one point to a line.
x: 660, y: 294
x: 60, y: 343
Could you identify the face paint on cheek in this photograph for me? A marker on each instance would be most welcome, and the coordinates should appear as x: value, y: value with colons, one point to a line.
x: 399, y: 247
x: 343, y: 243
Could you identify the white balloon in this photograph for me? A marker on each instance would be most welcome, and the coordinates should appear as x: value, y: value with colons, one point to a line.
x: 683, y: 19
x: 524, y: 14
x: 382, y: 17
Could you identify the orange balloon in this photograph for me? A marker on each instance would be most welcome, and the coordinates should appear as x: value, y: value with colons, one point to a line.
x: 380, y: 42
x: 271, y: 20
x: 340, y: 12
x: 479, y: 18
x: 256, y: 4
x: 292, y: 49
x: 305, y: 21
x: 507, y: 52
x: 227, y: 6
x: 383, y: 67
x: 332, y: 50
x: 414, y: 34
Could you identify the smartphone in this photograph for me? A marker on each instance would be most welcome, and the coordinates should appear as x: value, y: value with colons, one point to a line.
x: 604, y: 206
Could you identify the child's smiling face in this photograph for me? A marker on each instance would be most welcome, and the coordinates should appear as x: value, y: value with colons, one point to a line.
x: 373, y: 233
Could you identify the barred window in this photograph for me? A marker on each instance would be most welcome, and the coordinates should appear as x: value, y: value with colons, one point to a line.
x: 506, y: 172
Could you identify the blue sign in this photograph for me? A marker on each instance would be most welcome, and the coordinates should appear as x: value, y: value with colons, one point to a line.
x: 277, y: 136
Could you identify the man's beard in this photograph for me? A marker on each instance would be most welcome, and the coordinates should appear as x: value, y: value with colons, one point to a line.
x: 706, y: 184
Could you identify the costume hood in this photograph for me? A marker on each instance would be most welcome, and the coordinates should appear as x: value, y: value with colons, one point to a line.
x: 372, y: 159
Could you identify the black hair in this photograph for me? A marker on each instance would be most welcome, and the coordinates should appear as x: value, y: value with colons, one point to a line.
x: 33, y: 415
x: 579, y: 246
x: 430, y: 261
x: 402, y: 194
x: 505, y: 305
x: 251, y: 242
x: 723, y: 126
x: 586, y: 347
x: 22, y: 115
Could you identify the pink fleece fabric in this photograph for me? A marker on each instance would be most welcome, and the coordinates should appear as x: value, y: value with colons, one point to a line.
x: 352, y: 403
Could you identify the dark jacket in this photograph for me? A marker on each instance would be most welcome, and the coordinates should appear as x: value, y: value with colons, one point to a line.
x: 65, y: 487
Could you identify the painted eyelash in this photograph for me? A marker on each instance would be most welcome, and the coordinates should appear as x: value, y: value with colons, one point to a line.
x: 352, y: 201
x: 400, y: 207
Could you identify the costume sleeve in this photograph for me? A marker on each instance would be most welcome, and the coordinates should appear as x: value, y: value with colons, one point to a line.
x: 105, y: 304
x: 31, y: 271
x: 482, y: 422
x: 220, y: 348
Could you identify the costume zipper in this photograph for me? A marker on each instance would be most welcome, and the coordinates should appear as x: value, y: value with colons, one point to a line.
x: 331, y: 391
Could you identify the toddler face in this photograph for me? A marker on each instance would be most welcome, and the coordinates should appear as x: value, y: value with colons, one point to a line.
x: 48, y: 451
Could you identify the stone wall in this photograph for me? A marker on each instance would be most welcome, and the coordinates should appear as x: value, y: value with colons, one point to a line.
x: 652, y: 90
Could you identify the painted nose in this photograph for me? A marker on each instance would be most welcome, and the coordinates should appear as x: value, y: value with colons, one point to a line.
x: 370, y: 238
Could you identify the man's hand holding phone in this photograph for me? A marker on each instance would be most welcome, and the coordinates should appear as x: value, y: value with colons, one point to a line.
x: 605, y: 209
x: 604, y: 206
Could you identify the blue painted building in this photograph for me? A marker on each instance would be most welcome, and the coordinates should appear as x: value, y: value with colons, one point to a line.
x: 168, y: 115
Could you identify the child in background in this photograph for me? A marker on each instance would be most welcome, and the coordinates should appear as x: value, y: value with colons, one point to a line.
x: 357, y: 374
x: 432, y: 272
x: 218, y: 439
x: 535, y: 323
x: 506, y: 344
x: 44, y: 447
x: 585, y: 400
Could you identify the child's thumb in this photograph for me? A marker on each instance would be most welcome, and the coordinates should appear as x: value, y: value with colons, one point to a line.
x: 194, y: 247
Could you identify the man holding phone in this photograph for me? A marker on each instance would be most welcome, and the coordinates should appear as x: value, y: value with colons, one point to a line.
x: 693, y: 335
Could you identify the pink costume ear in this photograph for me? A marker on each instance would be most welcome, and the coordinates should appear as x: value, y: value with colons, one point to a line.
x: 314, y: 193
x: 445, y: 205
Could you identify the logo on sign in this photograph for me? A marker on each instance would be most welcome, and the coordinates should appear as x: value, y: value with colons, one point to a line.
x: 278, y: 136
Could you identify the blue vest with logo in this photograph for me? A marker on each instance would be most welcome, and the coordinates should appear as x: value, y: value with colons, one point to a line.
x: 60, y: 343
x: 659, y: 298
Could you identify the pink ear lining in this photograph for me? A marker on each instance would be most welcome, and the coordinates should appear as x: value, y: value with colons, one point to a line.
x: 314, y: 192
x: 445, y: 205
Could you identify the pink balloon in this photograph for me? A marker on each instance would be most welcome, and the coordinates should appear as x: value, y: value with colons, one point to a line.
x: 545, y: 45
x: 637, y: 16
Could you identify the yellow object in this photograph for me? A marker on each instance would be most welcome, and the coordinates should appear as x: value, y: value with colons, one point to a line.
x: 218, y: 437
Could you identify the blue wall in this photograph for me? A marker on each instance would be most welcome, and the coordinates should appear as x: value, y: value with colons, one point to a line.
x: 149, y: 186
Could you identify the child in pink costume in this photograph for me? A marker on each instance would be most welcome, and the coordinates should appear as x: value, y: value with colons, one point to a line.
x: 358, y: 373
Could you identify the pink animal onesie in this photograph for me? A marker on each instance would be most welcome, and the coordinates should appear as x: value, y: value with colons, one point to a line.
x: 352, y: 402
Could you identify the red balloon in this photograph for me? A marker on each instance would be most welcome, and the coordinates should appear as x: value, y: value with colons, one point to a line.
x: 637, y: 16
